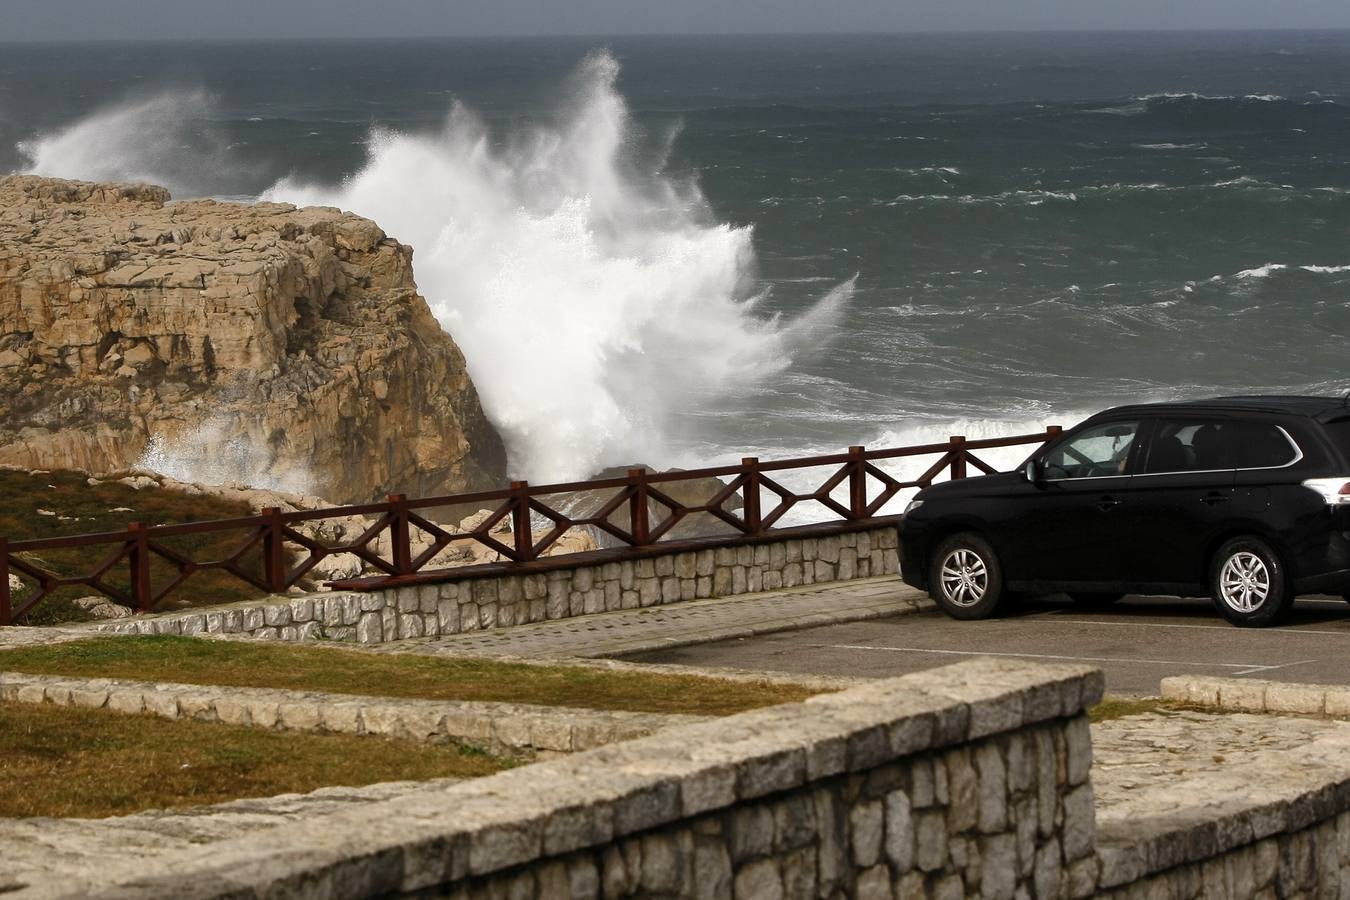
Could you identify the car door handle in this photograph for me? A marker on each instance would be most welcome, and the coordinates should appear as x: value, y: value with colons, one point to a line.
x: 1108, y: 503
x: 1214, y: 497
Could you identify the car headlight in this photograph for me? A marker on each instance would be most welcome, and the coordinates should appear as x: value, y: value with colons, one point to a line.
x: 913, y: 505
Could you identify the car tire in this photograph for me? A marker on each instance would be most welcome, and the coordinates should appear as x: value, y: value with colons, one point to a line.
x: 1094, y: 598
x: 1249, y: 584
x: 965, y: 577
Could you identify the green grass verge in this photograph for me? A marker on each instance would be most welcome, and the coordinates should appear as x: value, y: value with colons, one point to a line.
x: 76, y: 507
x: 326, y: 668
x: 64, y: 761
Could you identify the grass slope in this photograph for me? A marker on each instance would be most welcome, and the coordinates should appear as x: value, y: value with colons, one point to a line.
x: 58, y: 504
x: 63, y: 761
x: 320, y: 668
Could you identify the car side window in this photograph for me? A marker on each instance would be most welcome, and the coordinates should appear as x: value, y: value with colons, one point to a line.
x: 1181, y: 445
x: 1259, y: 445
x: 1097, y: 452
x: 1199, y: 446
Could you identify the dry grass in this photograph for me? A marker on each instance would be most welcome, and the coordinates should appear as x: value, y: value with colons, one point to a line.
x: 320, y: 668
x: 63, y: 761
x: 1120, y: 707
x: 80, y: 508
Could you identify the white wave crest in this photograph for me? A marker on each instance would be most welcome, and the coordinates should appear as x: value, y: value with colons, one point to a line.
x: 168, y: 139
x: 1261, y: 271
x: 594, y: 301
x: 1170, y: 146
x: 1192, y: 95
x: 1271, y: 268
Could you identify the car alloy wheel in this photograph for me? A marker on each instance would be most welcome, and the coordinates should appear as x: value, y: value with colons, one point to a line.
x: 965, y: 577
x: 1249, y: 583
x: 1244, y: 582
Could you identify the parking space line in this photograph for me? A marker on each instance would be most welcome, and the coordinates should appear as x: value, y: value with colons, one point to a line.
x: 1247, y: 667
x: 1059, y: 620
x: 1255, y: 669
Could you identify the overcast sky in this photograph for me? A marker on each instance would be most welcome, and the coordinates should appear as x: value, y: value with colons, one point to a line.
x: 120, y: 19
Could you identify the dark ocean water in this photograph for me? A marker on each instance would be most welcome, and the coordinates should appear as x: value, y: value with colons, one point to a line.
x: 1040, y: 225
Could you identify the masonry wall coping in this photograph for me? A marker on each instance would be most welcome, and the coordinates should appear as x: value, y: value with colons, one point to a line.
x: 1255, y: 695
x: 565, y: 804
x: 500, y: 726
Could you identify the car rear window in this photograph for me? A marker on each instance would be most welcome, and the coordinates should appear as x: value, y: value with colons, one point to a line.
x: 1258, y: 445
x: 1339, y: 432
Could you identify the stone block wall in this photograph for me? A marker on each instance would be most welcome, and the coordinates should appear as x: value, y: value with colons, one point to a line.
x: 972, y: 780
x: 460, y: 605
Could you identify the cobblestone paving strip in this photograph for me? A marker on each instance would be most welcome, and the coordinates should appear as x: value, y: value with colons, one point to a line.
x: 15, y: 636
x: 1172, y: 786
x: 691, y: 622
x: 36, y: 848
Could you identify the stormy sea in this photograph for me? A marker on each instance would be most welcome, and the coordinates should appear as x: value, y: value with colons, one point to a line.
x: 688, y: 250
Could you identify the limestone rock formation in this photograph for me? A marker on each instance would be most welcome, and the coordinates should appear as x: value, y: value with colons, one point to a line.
x: 282, y: 346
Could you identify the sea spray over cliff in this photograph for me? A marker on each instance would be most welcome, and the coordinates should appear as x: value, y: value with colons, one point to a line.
x: 169, y: 139
x: 595, y: 300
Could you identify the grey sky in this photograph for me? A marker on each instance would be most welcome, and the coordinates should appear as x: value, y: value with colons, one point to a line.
x: 118, y: 19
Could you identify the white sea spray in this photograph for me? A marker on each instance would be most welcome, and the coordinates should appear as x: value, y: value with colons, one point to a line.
x: 594, y: 300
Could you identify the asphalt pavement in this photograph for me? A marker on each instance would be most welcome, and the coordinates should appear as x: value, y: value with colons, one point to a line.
x: 1137, y: 642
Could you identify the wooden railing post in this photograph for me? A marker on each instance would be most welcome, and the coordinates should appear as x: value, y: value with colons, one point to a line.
x: 141, y: 591
x: 520, y: 521
x: 1053, y: 431
x: 639, y: 516
x: 857, y: 483
x: 400, y: 536
x: 754, y: 523
x: 958, y: 451
x: 274, y: 551
x: 6, y: 608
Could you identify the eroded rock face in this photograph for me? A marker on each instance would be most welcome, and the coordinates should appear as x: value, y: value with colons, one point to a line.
x: 295, y: 337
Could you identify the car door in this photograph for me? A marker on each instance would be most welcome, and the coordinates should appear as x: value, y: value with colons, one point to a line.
x: 1183, y: 493
x: 1069, y: 533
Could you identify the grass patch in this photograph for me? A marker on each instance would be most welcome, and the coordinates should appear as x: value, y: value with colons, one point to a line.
x: 1120, y: 707
x: 69, y: 505
x: 63, y: 761
x: 308, y: 668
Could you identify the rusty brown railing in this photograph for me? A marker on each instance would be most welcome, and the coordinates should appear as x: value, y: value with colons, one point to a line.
x: 651, y: 514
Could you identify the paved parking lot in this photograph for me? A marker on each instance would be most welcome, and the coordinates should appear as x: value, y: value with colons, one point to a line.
x: 1137, y: 642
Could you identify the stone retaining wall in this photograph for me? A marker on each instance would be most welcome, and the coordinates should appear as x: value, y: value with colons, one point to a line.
x: 972, y: 780
x: 470, y: 604
x: 511, y: 728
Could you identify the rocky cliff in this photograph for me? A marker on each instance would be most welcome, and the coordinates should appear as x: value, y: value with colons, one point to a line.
x: 282, y: 346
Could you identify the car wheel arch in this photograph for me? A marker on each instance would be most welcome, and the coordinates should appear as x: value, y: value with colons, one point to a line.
x: 1245, y: 529
x: 951, y: 527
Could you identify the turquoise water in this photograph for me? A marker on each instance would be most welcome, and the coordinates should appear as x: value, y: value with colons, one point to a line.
x: 1038, y: 225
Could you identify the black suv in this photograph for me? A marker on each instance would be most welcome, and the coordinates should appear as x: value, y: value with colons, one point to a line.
x: 1246, y: 499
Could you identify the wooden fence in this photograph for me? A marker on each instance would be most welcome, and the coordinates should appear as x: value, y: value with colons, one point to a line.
x: 272, y: 555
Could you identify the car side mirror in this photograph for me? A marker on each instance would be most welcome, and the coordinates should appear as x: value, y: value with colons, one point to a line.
x: 1032, y: 471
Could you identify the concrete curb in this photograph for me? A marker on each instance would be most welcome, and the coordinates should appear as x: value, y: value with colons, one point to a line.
x: 1249, y: 695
